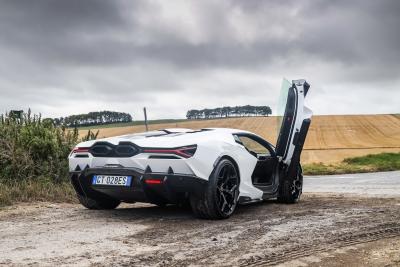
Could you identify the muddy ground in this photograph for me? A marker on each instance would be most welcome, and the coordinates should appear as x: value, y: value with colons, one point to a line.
x: 321, y: 230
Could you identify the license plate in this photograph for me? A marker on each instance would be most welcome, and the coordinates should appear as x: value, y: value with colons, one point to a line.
x: 112, y: 180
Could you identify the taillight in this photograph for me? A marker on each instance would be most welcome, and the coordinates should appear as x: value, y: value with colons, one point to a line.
x: 185, y: 151
x: 153, y: 181
x: 80, y: 150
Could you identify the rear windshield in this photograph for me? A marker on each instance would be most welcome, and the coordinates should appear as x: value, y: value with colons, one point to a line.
x: 151, y: 133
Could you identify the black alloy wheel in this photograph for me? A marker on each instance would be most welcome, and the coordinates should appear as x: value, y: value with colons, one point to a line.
x: 219, y: 200
x: 227, y: 185
x: 290, y: 189
x: 297, y: 185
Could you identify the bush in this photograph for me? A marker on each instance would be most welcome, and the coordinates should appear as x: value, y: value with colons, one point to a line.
x: 31, y: 149
x: 34, y: 158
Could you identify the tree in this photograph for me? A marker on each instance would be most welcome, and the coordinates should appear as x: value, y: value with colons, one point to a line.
x: 93, y: 118
x: 227, y: 111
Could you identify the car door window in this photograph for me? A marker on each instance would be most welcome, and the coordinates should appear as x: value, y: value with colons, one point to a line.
x: 282, y: 103
x: 254, y: 147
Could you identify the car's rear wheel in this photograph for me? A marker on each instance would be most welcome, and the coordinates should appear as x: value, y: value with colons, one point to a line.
x: 219, y: 200
x: 291, y: 189
x: 98, y: 204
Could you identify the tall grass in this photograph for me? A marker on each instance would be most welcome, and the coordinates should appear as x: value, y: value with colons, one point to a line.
x: 33, y: 149
x: 34, y: 158
x: 36, y: 190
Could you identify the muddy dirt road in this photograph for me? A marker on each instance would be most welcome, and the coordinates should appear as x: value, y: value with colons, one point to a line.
x: 326, y: 229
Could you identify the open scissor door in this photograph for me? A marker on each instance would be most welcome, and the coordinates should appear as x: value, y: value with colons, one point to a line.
x: 294, y: 119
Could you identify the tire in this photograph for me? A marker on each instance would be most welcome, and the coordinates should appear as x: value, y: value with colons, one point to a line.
x: 291, y: 189
x: 103, y: 204
x: 185, y: 204
x: 219, y: 200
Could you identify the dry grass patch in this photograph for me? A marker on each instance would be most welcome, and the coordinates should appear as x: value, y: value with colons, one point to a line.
x: 34, y: 190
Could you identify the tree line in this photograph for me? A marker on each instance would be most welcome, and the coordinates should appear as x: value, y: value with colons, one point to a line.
x: 93, y: 118
x: 225, y: 112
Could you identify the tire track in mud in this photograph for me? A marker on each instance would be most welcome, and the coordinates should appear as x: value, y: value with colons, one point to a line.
x: 143, y: 235
x: 292, y: 253
x: 310, y: 249
x: 276, y: 235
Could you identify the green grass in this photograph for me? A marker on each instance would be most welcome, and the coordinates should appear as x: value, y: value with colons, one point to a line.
x: 369, y: 163
x: 34, y: 190
x: 383, y: 161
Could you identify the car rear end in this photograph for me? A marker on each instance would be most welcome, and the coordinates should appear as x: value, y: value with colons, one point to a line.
x: 129, y: 169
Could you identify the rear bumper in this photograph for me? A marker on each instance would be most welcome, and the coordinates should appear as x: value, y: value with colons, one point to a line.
x: 172, y: 188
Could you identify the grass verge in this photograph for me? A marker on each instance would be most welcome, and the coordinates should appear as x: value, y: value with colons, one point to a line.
x: 369, y: 163
x: 36, y: 190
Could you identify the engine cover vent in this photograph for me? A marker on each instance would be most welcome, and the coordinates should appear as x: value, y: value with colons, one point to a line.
x: 122, y: 150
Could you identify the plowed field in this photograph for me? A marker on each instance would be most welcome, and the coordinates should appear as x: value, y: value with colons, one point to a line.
x: 331, y: 138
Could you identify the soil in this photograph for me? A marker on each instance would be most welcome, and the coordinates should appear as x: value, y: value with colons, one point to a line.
x: 321, y: 230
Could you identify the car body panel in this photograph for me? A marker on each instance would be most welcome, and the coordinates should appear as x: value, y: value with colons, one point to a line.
x: 212, y: 144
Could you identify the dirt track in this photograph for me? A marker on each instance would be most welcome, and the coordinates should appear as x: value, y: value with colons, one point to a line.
x: 319, y: 229
x: 331, y: 138
x: 358, y: 225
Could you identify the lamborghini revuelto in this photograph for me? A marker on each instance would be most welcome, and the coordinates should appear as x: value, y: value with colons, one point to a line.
x: 213, y: 169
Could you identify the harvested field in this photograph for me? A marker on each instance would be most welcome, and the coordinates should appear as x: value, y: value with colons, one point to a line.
x: 331, y: 138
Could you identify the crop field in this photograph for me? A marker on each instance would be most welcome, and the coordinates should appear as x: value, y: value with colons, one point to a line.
x: 331, y: 137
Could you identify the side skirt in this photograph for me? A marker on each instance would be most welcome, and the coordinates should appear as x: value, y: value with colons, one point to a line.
x: 247, y: 200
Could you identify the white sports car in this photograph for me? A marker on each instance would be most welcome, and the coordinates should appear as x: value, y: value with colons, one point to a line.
x: 213, y: 169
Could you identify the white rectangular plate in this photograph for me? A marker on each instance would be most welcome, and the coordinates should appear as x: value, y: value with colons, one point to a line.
x: 112, y: 180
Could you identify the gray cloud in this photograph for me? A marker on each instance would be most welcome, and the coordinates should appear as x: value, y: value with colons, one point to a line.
x: 62, y: 57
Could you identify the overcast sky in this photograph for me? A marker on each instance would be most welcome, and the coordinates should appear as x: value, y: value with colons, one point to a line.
x: 70, y: 57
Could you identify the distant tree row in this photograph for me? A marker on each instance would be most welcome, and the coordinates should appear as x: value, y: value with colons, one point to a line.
x: 93, y: 118
x: 225, y: 112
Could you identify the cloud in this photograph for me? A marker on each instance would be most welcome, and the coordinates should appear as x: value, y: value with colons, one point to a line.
x: 65, y: 57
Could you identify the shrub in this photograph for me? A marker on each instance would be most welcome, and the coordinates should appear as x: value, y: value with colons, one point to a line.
x: 34, y: 149
x: 34, y: 159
